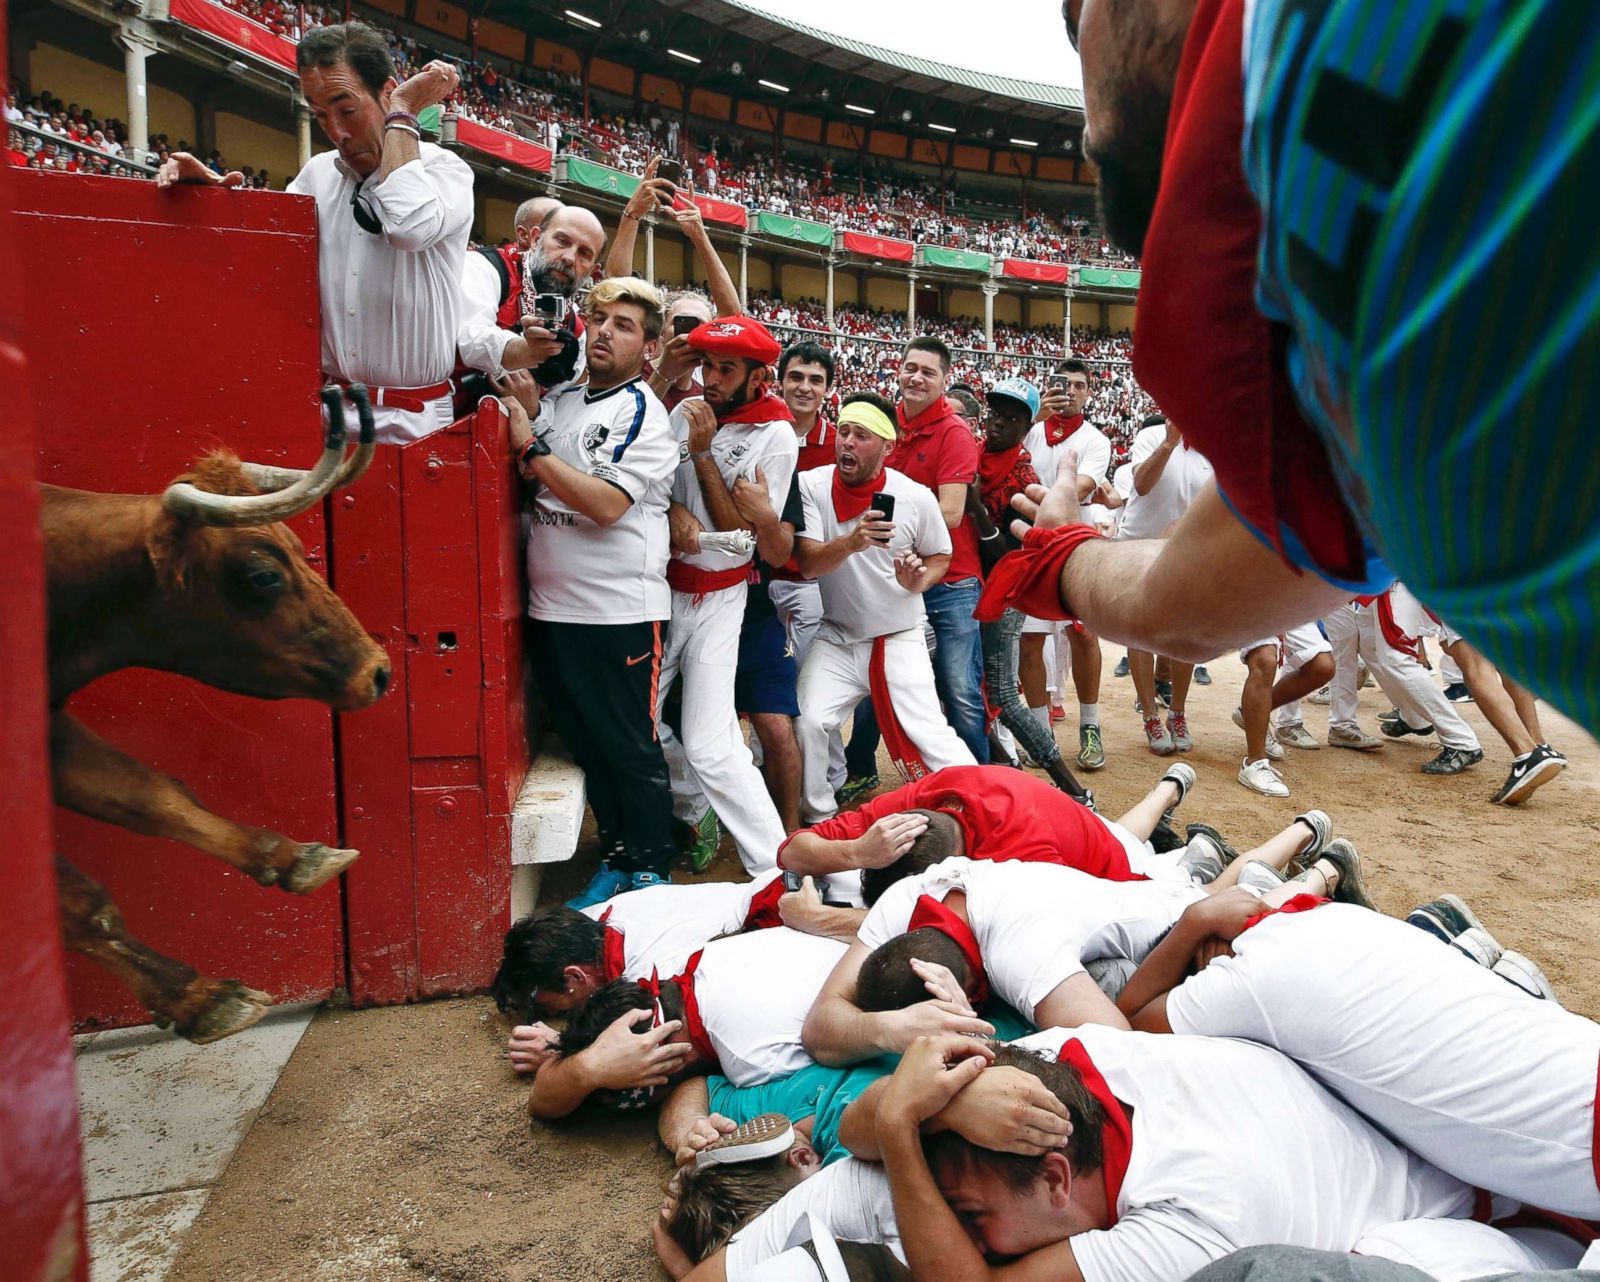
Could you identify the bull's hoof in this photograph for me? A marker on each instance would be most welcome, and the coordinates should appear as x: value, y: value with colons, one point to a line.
x: 316, y: 865
x: 232, y: 1008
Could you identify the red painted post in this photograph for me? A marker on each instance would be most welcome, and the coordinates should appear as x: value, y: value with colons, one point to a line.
x: 41, y: 1184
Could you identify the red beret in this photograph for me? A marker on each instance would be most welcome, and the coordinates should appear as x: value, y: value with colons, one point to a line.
x: 735, y: 336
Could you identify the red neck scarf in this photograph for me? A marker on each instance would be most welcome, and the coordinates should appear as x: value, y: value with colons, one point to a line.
x: 763, y: 911
x: 693, y: 1024
x: 1116, y: 1137
x: 994, y: 468
x: 850, y: 501
x: 612, y: 961
x: 1197, y: 313
x: 1299, y: 904
x: 1058, y: 427
x: 765, y: 408
x: 933, y: 913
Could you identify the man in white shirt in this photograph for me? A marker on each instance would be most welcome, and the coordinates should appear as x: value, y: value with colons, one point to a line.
x: 393, y: 217
x: 871, y: 572
x: 736, y: 1008
x: 737, y: 429
x: 1065, y: 433
x: 1167, y: 475
x: 1183, y: 1150
x: 599, y: 462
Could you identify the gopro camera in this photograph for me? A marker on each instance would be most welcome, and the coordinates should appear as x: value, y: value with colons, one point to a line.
x: 550, y: 309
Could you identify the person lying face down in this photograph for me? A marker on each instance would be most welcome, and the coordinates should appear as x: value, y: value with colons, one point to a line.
x: 1467, y: 1069
x: 736, y: 1007
x: 1165, y: 1170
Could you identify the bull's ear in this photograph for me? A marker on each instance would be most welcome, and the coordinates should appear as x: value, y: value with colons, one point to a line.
x: 170, y: 545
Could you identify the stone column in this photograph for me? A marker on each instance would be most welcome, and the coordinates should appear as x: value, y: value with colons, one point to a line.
x: 911, y: 304
x: 302, y: 128
x: 744, y: 271
x: 650, y: 250
x: 990, y: 289
x: 831, y: 261
x: 1066, y: 323
x: 136, y: 47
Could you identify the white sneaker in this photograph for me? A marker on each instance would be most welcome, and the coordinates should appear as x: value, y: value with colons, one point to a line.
x: 1296, y: 736
x: 1353, y: 737
x: 1260, y: 876
x: 1261, y: 776
x: 1274, y: 748
x: 1524, y: 972
x: 1323, y: 696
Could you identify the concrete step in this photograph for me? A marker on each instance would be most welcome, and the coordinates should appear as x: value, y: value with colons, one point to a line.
x: 546, y: 821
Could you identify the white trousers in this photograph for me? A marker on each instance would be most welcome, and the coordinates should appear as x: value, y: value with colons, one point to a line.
x: 799, y: 606
x: 836, y: 677
x: 400, y: 427
x: 1354, y: 629
x: 1296, y: 648
x: 712, y: 762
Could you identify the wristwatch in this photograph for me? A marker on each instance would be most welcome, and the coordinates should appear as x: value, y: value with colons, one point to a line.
x: 535, y: 448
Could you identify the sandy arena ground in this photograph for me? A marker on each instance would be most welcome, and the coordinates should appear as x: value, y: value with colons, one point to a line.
x: 396, y: 1146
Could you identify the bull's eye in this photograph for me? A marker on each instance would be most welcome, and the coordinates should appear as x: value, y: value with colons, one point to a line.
x: 265, y: 581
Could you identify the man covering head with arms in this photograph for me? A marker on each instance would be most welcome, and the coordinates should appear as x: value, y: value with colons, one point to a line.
x: 1348, y: 276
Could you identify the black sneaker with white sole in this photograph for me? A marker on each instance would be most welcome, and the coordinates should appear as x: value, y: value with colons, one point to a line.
x: 1452, y: 761
x: 1445, y: 918
x: 1530, y: 772
x: 1457, y: 692
x: 1349, y: 889
x: 1227, y: 852
x: 1201, y: 676
x: 1396, y: 728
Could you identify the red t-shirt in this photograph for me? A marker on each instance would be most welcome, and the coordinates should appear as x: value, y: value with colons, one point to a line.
x: 817, y: 446
x: 937, y: 448
x: 1005, y: 813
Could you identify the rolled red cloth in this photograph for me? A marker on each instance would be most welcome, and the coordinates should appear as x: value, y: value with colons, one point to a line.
x: 1030, y: 579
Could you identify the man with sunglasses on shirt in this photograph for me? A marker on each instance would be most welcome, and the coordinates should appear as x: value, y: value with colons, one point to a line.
x: 393, y: 217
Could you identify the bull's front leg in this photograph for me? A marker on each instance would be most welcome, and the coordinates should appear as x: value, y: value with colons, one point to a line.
x: 103, y: 782
x: 180, y: 998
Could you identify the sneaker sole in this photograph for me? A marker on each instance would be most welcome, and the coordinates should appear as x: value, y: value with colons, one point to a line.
x: 1265, y: 792
x: 1531, y: 782
x: 1471, y: 918
x: 760, y: 1137
x: 1525, y: 974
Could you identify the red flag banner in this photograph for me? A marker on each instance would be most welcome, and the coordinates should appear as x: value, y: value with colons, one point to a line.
x: 497, y: 142
x: 235, y: 29
x: 1027, y: 269
x: 722, y: 211
x: 859, y: 242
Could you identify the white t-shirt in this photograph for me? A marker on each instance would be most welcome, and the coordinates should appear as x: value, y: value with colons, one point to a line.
x: 862, y: 599
x: 582, y: 572
x: 662, y: 925
x: 738, y: 449
x: 1089, y: 443
x: 1147, y: 516
x: 1451, y: 1059
x: 850, y: 1197
x: 1235, y: 1146
x: 1037, y: 924
x: 754, y: 992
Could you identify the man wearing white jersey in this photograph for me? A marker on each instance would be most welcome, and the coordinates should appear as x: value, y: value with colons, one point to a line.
x: 872, y: 570
x: 738, y: 429
x: 1063, y: 434
x: 597, y: 465
x: 736, y: 1007
x: 393, y: 217
x: 1467, y: 1070
x: 555, y: 960
x: 1183, y: 1150
x: 1166, y: 476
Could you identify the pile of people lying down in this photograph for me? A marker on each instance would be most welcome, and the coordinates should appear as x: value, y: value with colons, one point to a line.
x: 974, y: 1030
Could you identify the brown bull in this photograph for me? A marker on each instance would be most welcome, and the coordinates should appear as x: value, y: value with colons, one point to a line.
x: 201, y: 580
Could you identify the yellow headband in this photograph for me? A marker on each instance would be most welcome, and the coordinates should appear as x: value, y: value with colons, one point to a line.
x: 865, y: 414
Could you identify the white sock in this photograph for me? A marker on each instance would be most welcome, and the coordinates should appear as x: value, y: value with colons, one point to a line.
x: 1088, y: 714
x: 1042, y: 716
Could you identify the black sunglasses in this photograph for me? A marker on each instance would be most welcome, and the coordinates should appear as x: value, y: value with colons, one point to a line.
x: 365, y: 215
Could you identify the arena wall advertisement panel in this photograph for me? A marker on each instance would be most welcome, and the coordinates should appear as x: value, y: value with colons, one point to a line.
x: 859, y: 242
x: 497, y: 142
x: 786, y: 228
x: 585, y: 173
x: 234, y: 28
x: 496, y: 37
x: 1109, y: 277
x: 960, y: 260
x: 1041, y: 273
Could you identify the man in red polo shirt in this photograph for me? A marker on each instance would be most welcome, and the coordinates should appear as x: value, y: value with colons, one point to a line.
x: 937, y: 449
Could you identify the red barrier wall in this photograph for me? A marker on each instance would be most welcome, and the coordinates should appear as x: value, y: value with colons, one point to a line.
x: 427, y: 552
x: 163, y: 324
x: 41, y: 1184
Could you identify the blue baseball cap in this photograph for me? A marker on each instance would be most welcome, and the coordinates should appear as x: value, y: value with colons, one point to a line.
x: 1018, y: 389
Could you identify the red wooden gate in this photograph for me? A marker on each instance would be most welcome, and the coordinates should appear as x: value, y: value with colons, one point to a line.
x: 162, y: 324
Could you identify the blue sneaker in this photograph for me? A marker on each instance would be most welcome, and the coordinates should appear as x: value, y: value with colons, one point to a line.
x: 644, y: 880
x: 605, y: 883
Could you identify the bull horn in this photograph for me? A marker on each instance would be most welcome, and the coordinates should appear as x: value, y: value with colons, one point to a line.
x: 269, y: 479
x: 202, y: 507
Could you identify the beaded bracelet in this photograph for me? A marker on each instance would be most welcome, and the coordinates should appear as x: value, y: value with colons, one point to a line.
x: 405, y: 129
